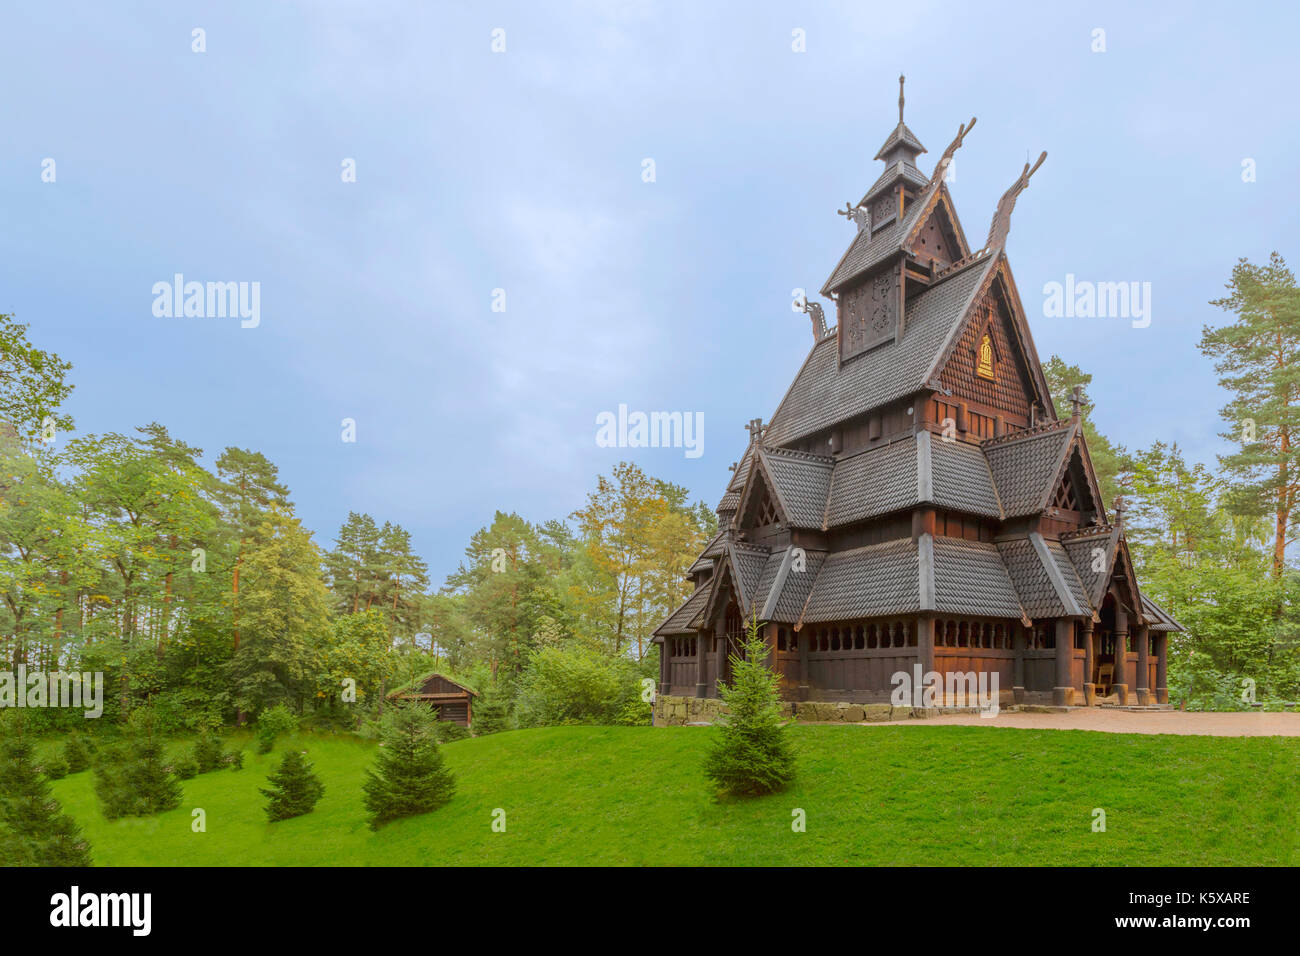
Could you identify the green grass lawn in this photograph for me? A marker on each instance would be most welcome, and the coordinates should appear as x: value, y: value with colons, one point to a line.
x: 872, y: 795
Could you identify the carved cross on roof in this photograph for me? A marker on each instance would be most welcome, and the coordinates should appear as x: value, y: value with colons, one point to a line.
x: 1076, y: 403
x: 755, y: 429
x: 1120, y: 506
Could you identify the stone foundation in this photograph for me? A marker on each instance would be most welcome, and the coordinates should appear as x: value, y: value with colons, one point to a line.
x: 671, y: 711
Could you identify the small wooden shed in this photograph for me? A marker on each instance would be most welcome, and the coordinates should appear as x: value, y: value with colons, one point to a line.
x: 451, y: 701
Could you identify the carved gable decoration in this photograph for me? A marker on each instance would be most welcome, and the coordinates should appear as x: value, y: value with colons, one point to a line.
x: 1003, y: 380
x: 868, y: 314
x: 937, y: 239
x: 984, y: 358
x: 761, y: 509
x: 1074, y: 492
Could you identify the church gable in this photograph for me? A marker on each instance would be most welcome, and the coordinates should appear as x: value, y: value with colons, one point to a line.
x: 987, y: 365
x: 759, y: 507
x: 937, y: 239
x: 1076, y: 489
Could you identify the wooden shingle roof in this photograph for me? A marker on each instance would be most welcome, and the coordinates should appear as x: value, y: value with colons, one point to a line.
x: 824, y: 393
x: 1025, y: 465
x: 866, y: 582
x: 1158, y: 619
x: 800, y: 483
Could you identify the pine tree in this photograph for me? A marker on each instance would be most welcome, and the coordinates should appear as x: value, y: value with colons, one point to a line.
x: 1258, y: 361
x: 33, y: 830
x: 752, y: 753
x: 136, y: 781
x: 294, y: 788
x: 207, y: 752
x: 490, y: 714
x: 76, y: 753
x: 409, y: 776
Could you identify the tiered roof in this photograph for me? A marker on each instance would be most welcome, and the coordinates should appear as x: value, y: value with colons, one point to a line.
x: 1021, y: 574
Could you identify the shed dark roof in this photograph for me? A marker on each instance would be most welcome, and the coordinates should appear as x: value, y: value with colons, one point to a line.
x: 1044, y: 578
x: 971, y: 574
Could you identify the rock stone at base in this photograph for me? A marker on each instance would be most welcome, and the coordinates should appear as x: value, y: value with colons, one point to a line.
x: 879, y: 712
x: 854, y: 714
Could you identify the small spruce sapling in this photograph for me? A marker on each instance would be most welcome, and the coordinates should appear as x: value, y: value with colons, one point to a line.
x: 409, y: 776
x: 294, y: 789
x: 751, y: 753
x: 76, y: 754
x: 33, y: 830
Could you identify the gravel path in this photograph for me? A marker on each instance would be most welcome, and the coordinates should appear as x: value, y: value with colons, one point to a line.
x: 1131, y: 722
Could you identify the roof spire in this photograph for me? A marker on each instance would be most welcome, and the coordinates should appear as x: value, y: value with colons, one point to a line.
x: 901, y: 78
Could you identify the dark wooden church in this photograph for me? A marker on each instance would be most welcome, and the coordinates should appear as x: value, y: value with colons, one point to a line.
x: 915, y: 498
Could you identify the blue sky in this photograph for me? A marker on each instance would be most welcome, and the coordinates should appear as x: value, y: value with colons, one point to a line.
x: 522, y: 171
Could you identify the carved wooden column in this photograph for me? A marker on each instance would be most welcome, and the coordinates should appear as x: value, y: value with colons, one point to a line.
x: 1121, y: 653
x: 1162, y: 653
x: 1063, y: 691
x: 719, y: 650
x: 925, y: 644
x: 1089, y: 688
x: 701, y: 665
x: 1144, y: 666
x: 665, y: 666
x: 1018, y: 666
x: 803, y: 689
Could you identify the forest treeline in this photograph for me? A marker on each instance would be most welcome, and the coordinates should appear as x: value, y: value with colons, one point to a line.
x: 196, y: 589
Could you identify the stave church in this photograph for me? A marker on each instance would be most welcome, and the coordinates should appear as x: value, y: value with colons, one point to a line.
x: 915, y: 498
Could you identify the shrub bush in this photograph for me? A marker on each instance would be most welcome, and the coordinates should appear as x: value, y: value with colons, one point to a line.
x: 273, y: 723
x: 447, y: 731
x: 576, y: 686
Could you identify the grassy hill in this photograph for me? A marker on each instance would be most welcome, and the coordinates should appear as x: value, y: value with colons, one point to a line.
x: 872, y: 795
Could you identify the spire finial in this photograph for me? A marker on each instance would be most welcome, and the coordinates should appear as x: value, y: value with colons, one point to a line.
x: 1076, y: 403
x: 901, y: 78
